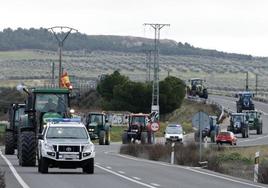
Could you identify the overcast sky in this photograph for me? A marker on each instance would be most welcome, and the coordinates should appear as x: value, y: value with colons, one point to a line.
x: 239, y: 26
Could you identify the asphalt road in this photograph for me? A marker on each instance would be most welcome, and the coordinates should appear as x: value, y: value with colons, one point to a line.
x: 254, y: 139
x: 114, y: 170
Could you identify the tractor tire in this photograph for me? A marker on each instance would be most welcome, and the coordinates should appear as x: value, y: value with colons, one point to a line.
x: 125, y: 139
x: 243, y: 133
x: 107, y: 137
x: 144, y: 138
x: 213, y: 136
x: 89, y: 167
x: 102, y: 137
x: 9, y: 143
x: 27, y: 155
x: 43, y: 165
x: 258, y: 130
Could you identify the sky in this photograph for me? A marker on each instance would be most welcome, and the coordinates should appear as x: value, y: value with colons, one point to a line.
x: 237, y: 26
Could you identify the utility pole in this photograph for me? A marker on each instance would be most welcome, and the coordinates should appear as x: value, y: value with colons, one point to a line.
x: 61, y: 42
x: 247, y: 81
x: 52, y: 74
x: 148, y: 64
x: 256, y: 85
x: 155, y: 92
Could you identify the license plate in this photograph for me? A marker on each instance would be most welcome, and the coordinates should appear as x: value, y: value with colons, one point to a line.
x: 70, y: 156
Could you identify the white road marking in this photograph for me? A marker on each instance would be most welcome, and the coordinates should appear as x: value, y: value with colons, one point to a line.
x: 194, y: 170
x: 108, y: 167
x: 136, y: 178
x: 15, y: 173
x: 125, y: 177
x: 155, y: 184
x: 121, y: 172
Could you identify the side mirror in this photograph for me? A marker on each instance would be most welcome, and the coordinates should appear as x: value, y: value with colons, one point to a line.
x: 40, y: 137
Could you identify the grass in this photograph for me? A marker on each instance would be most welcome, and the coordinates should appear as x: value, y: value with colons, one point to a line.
x: 116, y: 133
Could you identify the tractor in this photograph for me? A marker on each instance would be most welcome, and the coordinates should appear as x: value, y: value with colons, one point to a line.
x: 41, y: 104
x: 138, y: 129
x: 239, y: 124
x: 98, y: 127
x: 196, y: 88
x: 211, y: 131
x: 254, y: 121
x: 14, y: 113
x: 245, y: 101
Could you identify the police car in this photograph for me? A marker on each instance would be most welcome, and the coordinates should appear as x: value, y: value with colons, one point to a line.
x: 174, y: 133
x: 65, y: 143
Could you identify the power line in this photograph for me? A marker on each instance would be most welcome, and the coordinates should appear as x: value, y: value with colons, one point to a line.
x: 155, y: 92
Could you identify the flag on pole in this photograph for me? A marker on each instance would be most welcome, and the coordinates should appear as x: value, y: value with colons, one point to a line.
x: 65, y: 81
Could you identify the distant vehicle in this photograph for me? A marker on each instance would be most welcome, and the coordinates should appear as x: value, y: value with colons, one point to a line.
x: 254, y: 121
x: 196, y: 88
x: 239, y: 124
x: 174, y: 133
x: 65, y: 144
x: 226, y: 137
x: 245, y: 101
x: 211, y: 131
x: 98, y: 127
x: 11, y: 132
x: 138, y: 129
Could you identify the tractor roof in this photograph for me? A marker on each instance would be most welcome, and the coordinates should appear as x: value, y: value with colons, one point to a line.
x: 51, y: 90
x: 195, y: 79
x: 139, y: 114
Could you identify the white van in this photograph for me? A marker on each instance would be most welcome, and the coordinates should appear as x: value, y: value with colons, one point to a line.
x: 174, y: 133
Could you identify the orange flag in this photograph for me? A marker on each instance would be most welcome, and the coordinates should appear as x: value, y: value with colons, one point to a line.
x: 65, y: 81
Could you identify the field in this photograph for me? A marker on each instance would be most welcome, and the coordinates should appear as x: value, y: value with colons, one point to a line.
x: 220, y: 74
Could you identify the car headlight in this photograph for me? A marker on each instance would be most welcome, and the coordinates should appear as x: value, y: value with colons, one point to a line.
x: 89, y: 148
x: 48, y: 147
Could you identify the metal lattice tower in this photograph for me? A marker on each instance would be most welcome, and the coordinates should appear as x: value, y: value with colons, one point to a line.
x: 61, y: 42
x: 155, y: 92
x: 148, y: 62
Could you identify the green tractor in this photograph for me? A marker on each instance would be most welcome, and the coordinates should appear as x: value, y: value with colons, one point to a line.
x: 254, y: 121
x: 196, y: 88
x: 41, y: 104
x: 98, y: 127
x: 239, y: 124
x: 14, y: 113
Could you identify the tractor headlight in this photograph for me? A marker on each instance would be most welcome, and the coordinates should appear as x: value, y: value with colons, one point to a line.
x: 48, y: 147
x: 89, y: 148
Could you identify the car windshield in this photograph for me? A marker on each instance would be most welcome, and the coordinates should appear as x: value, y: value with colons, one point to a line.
x: 225, y: 134
x: 173, y: 129
x: 66, y: 132
x: 51, y: 102
x: 95, y: 118
x: 138, y: 120
x: 237, y: 118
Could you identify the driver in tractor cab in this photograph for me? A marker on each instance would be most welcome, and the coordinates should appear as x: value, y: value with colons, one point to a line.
x: 50, y: 106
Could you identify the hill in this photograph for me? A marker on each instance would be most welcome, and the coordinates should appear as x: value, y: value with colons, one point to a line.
x: 44, y: 40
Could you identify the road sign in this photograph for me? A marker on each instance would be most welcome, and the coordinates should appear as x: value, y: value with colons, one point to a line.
x: 155, y: 126
x: 200, y: 119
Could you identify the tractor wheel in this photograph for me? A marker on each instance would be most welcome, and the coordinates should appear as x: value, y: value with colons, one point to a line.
x: 89, y: 167
x: 258, y: 130
x: 243, y: 133
x: 43, y: 165
x: 125, y: 139
x: 144, y: 137
x: 102, y: 137
x: 107, y: 137
x: 27, y: 148
x: 9, y: 143
x: 213, y: 136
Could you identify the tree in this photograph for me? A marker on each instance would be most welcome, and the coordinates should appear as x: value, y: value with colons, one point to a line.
x: 171, y: 94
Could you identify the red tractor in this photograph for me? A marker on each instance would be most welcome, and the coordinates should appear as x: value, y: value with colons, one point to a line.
x: 138, y: 129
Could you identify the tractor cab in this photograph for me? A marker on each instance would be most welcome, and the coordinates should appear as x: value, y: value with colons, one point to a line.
x: 245, y: 101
